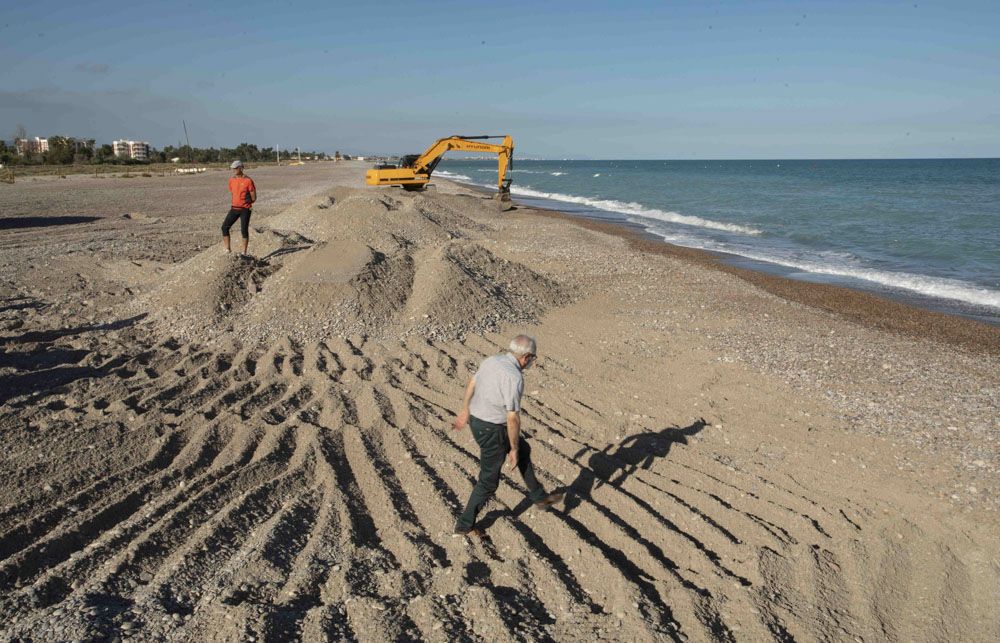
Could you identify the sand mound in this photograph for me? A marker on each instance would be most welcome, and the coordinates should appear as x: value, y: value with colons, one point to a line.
x: 448, y: 211
x: 205, y: 291
x: 353, y: 262
x: 462, y: 287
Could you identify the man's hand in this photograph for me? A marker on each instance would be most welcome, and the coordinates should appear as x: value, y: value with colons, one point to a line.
x: 513, y: 436
x: 462, y: 419
x: 512, y: 459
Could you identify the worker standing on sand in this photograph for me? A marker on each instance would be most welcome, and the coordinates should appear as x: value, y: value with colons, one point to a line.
x: 492, y: 407
x: 244, y: 194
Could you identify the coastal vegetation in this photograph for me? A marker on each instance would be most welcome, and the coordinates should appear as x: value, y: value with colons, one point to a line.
x: 64, y: 150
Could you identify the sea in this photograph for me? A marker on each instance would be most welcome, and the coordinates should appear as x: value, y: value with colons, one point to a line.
x: 923, y: 231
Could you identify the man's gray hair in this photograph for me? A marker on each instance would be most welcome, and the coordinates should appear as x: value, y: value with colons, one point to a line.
x: 522, y: 345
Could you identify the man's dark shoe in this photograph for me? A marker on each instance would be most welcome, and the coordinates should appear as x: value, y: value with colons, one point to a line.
x: 550, y: 500
x: 474, y: 532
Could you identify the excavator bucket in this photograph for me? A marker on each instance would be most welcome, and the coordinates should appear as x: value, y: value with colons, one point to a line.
x: 503, y: 201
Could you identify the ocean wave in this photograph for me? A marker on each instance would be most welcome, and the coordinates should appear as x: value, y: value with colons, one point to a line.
x: 941, y: 287
x: 449, y: 175
x: 597, y: 175
x: 557, y: 173
x: 637, y: 210
x: 627, y: 208
x: 493, y: 170
x: 938, y: 287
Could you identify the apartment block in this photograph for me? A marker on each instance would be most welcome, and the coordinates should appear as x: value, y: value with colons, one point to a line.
x: 31, y: 145
x: 138, y: 150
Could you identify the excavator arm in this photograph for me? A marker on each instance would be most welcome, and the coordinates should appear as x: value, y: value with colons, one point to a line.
x: 415, y: 173
x: 427, y: 161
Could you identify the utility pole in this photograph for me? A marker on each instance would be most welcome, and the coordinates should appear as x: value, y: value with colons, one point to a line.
x: 277, y: 154
x: 187, y: 139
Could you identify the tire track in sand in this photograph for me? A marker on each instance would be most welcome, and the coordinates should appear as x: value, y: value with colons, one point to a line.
x: 321, y: 483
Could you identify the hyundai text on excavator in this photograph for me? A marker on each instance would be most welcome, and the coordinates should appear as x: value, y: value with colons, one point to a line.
x: 414, y: 170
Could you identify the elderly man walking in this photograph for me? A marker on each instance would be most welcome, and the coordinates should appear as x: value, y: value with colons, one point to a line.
x: 492, y: 408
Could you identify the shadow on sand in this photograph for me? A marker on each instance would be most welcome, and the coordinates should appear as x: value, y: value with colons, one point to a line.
x: 611, y: 465
x: 284, y: 250
x: 14, y: 223
x: 45, y: 368
x: 616, y: 462
x: 16, y: 304
x: 33, y: 336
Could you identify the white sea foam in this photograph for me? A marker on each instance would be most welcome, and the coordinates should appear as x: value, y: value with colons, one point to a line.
x: 637, y: 210
x: 449, y: 175
x: 838, y: 264
x: 493, y: 170
x: 631, y: 209
x: 941, y: 287
x: 597, y: 175
x: 557, y: 173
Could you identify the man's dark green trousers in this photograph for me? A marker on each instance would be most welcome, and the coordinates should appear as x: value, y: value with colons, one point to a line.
x: 494, y: 445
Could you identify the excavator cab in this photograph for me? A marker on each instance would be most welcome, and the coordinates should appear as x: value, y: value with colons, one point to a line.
x: 408, y: 160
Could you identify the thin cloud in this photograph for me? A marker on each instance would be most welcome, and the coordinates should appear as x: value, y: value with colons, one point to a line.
x: 92, y: 68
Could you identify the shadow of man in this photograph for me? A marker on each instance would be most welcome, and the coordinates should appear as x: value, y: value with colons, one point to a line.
x: 44, y: 367
x: 616, y: 462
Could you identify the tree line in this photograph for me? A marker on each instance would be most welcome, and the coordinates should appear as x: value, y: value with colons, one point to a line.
x: 64, y: 150
x: 246, y: 152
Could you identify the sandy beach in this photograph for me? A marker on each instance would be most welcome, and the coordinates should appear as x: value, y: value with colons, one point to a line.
x: 204, y: 447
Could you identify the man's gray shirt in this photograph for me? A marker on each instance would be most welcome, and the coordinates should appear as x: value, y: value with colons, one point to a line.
x: 499, y: 385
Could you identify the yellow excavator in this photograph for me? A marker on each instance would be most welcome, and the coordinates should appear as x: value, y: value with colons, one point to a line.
x: 414, y: 171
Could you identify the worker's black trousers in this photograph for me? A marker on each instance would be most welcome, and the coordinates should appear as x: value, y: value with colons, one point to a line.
x: 494, y: 445
x: 243, y: 214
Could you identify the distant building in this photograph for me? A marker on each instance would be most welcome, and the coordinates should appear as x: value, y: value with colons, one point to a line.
x: 82, y: 143
x: 27, y: 146
x: 138, y: 150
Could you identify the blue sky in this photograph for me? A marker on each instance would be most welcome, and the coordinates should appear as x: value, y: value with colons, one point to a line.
x: 566, y: 79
